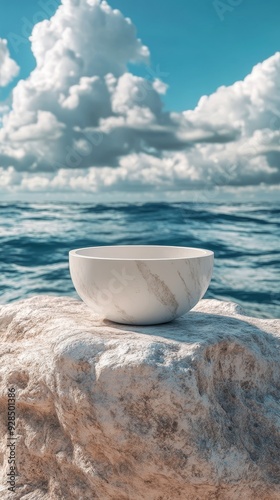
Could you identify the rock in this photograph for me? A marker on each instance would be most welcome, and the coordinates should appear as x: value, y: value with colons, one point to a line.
x: 187, y: 410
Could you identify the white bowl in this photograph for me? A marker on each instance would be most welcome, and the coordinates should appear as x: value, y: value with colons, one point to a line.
x: 141, y: 285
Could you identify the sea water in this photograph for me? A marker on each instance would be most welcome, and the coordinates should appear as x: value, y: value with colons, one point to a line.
x: 36, y: 238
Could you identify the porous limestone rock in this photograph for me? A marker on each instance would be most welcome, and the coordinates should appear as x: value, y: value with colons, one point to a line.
x: 188, y: 410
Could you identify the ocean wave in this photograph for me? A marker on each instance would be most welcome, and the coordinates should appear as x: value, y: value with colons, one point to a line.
x: 36, y: 239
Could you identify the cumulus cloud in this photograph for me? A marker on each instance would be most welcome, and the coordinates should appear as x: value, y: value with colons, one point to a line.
x: 8, y: 67
x: 82, y: 121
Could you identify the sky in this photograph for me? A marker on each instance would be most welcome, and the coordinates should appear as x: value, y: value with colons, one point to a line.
x: 183, y: 98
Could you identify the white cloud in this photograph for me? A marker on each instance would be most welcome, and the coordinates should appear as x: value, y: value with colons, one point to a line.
x: 41, y: 124
x: 83, y: 122
x: 247, y: 105
x: 8, y: 67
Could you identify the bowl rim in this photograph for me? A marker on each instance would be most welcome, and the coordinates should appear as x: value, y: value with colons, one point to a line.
x: 204, y: 253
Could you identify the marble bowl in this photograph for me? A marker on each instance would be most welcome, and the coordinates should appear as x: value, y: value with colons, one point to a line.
x: 141, y: 285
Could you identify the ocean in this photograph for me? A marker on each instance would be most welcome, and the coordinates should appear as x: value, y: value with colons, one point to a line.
x: 36, y: 238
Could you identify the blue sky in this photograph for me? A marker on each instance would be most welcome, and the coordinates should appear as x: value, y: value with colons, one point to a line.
x: 87, y: 120
x: 194, y: 49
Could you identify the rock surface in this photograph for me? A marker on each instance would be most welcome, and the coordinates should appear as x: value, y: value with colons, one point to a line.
x: 187, y: 410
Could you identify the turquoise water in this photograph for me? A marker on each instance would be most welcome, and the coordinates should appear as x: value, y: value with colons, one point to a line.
x: 36, y: 239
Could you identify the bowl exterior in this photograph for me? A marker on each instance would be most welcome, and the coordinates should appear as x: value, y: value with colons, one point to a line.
x: 141, y: 292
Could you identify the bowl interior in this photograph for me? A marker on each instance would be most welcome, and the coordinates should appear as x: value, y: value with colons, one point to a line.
x: 141, y: 252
